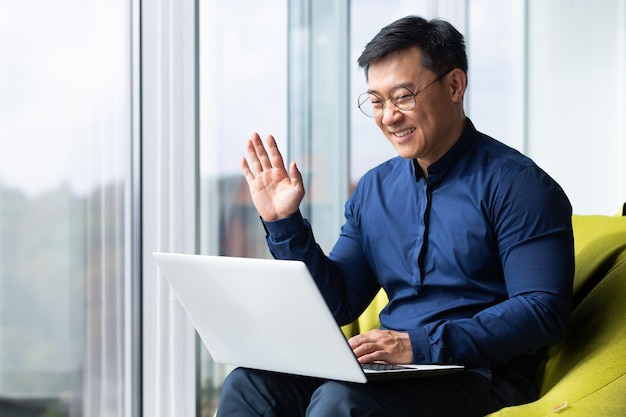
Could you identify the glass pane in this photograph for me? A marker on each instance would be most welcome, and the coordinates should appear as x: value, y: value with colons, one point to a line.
x: 577, y: 101
x: 243, y: 81
x: 323, y: 148
x: 495, y: 49
x: 368, y: 146
x: 65, y: 140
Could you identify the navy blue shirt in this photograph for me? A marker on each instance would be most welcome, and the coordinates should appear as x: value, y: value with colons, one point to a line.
x: 477, y: 259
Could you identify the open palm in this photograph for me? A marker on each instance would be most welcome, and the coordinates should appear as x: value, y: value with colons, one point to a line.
x: 275, y: 193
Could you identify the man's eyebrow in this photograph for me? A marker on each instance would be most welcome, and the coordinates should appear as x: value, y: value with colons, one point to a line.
x: 407, y: 85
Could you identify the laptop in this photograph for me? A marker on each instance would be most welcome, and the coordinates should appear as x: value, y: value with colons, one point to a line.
x: 269, y: 314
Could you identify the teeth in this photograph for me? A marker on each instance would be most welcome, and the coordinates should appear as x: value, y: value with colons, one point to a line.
x: 405, y: 132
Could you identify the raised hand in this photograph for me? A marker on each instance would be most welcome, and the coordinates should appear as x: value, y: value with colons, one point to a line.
x: 275, y: 193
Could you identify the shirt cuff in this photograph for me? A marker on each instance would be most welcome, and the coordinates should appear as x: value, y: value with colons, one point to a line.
x: 283, y: 229
x: 420, y: 345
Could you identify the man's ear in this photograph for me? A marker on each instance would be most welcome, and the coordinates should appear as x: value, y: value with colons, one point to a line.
x: 457, y: 81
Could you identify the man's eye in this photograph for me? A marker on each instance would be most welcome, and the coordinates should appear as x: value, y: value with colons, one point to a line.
x: 404, y: 98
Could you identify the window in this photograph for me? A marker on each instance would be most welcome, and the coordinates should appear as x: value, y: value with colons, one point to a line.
x: 576, y: 99
x: 243, y: 72
x: 65, y: 208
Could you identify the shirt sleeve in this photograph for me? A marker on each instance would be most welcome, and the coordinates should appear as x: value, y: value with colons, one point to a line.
x: 345, y: 281
x: 531, y: 218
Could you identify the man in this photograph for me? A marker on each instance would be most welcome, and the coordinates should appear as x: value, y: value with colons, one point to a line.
x: 470, y: 239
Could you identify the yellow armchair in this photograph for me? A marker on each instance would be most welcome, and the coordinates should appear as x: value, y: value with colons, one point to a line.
x: 585, y: 373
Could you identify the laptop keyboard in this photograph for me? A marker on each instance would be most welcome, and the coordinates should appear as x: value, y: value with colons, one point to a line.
x: 383, y: 367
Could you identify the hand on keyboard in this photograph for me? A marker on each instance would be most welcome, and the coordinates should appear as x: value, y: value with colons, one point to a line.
x: 387, y: 346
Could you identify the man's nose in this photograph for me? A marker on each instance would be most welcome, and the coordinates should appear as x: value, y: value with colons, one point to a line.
x: 390, y: 114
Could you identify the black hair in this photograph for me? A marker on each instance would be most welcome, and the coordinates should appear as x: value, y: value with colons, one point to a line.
x: 442, y: 46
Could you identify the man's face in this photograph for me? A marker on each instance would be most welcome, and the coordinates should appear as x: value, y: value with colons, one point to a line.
x: 428, y: 130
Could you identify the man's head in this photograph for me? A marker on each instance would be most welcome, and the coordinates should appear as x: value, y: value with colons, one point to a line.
x: 417, y: 75
x: 442, y: 46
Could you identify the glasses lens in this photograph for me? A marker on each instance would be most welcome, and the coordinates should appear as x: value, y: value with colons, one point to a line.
x: 403, y: 98
x: 371, y: 105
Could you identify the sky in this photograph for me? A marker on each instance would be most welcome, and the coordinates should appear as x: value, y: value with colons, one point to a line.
x: 63, y: 114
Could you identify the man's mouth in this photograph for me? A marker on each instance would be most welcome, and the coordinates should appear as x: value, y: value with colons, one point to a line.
x: 403, y: 133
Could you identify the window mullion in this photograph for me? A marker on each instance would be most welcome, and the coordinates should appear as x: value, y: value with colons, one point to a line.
x: 169, y: 177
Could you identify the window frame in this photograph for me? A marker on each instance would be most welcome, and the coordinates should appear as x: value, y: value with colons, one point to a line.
x: 169, y: 177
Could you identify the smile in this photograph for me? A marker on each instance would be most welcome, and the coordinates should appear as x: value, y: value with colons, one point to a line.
x: 404, y: 132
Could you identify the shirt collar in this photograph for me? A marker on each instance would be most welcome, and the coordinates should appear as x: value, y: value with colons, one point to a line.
x: 437, y: 170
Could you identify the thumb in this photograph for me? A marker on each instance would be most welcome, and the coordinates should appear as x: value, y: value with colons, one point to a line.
x: 295, y: 174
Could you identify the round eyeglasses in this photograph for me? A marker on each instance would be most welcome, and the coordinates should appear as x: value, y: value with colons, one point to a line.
x: 404, y: 99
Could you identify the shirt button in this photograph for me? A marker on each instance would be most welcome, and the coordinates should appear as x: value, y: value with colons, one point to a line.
x: 421, y: 356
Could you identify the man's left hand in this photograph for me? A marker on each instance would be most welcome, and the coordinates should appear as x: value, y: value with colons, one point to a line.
x: 386, y: 346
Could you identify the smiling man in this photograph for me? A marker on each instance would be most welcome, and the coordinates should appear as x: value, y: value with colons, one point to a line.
x: 433, y: 117
x: 469, y: 238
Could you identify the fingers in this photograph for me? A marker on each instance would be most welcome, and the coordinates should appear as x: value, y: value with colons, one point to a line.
x: 245, y: 168
x: 275, y: 157
x: 261, y: 153
x: 275, y: 193
x: 365, y: 349
x: 254, y: 146
x: 382, y: 345
x: 264, y: 157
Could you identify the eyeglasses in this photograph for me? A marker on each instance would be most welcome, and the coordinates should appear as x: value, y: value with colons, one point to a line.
x: 404, y: 99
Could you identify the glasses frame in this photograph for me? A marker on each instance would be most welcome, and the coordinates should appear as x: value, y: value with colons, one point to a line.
x: 365, y: 97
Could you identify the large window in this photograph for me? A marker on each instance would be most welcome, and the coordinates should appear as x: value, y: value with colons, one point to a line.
x: 65, y: 230
x: 243, y: 72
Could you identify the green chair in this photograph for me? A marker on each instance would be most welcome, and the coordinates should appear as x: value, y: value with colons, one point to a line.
x: 584, y: 374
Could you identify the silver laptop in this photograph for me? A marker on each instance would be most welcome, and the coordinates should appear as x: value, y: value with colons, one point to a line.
x: 269, y: 315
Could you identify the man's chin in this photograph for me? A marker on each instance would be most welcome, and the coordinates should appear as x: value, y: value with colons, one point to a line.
x: 405, y: 153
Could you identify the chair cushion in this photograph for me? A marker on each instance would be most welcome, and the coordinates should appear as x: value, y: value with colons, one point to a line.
x: 584, y: 373
x: 599, y: 243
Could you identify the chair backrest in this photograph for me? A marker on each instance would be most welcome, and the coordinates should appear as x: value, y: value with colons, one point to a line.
x: 596, y: 332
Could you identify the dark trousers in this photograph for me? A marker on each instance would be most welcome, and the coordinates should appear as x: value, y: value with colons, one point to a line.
x: 257, y: 393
